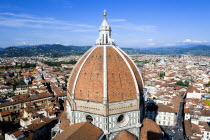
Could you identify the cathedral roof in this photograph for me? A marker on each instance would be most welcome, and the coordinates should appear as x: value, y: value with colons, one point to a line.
x: 125, y: 135
x: 80, y: 131
x: 150, y: 130
x: 105, y: 72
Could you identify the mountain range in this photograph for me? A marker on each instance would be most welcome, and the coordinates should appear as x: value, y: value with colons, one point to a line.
x: 57, y: 50
x: 50, y: 50
x: 198, y: 50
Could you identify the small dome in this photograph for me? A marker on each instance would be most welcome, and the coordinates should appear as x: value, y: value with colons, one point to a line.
x: 125, y: 135
x: 150, y: 130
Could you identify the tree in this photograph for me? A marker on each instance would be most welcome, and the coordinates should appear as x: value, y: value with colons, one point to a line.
x: 181, y: 83
x: 162, y: 74
x: 157, y: 60
x: 186, y: 83
x: 207, y: 84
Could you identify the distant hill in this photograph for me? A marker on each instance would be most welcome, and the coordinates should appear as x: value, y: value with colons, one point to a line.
x: 199, y: 50
x: 52, y: 50
x: 57, y: 50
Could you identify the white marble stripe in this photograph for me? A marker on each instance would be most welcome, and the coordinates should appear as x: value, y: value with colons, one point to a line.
x: 132, y: 73
x: 75, y: 67
x: 105, y: 76
x: 134, y: 65
x: 75, y: 81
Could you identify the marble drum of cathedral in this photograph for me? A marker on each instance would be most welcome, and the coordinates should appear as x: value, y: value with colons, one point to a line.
x: 105, y: 88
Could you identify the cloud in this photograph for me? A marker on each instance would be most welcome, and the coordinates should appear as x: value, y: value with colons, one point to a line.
x: 177, y: 43
x: 117, y: 20
x: 81, y: 30
x: 24, y: 43
x: 22, y: 21
x: 135, y: 27
x: 151, y: 44
x: 193, y: 41
x: 169, y: 44
x: 19, y: 15
x: 41, y: 30
x: 150, y: 39
x: 29, y: 21
x: 122, y: 23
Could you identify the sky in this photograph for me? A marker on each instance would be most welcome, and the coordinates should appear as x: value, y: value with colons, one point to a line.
x: 134, y: 23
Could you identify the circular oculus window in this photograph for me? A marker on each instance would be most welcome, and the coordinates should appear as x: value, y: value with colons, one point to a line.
x: 89, y: 118
x: 122, y: 120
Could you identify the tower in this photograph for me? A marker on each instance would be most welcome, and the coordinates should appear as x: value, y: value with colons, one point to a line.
x: 105, y: 88
x: 105, y: 33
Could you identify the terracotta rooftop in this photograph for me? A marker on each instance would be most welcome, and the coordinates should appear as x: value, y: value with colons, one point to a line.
x: 191, y: 88
x: 196, y: 128
x: 64, y: 121
x: 5, y: 113
x: 179, y: 87
x: 17, y: 133
x: 205, y: 126
x: 125, y: 135
x: 80, y: 131
x: 150, y: 130
x: 197, y: 111
x: 166, y: 108
x: 39, y: 123
x: 24, y: 98
x: 188, y: 128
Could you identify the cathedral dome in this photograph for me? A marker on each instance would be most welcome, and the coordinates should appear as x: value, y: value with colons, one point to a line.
x: 105, y: 73
x: 106, y: 88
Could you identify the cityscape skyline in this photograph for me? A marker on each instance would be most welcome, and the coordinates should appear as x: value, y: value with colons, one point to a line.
x: 57, y: 92
x: 137, y: 24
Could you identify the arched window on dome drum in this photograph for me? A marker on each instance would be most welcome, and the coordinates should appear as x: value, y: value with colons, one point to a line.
x: 106, y: 38
x: 103, y: 39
